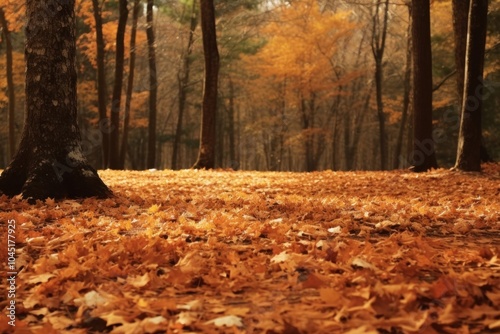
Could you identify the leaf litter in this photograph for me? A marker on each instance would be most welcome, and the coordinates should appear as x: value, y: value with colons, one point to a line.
x: 259, y: 252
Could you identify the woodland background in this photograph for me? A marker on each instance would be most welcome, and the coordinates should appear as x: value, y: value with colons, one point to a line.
x: 296, y: 90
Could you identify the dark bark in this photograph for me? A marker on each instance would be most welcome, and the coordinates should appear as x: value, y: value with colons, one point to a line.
x: 153, y: 86
x: 406, y: 102
x: 469, y: 139
x: 183, y: 82
x: 234, y: 161
x: 114, y: 131
x: 378, y: 48
x: 49, y: 162
x: 206, y: 154
x: 424, y: 154
x: 102, y: 90
x: 460, y: 23
x: 10, y: 83
x: 130, y: 83
x: 460, y: 27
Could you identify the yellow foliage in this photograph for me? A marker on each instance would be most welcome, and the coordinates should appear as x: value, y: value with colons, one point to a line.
x: 301, y: 49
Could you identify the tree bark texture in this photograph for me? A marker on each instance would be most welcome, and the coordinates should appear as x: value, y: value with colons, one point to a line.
x: 114, y: 131
x: 50, y: 161
x: 469, y: 138
x: 206, y: 154
x: 424, y: 154
x: 153, y: 86
x: 460, y: 28
x: 102, y: 90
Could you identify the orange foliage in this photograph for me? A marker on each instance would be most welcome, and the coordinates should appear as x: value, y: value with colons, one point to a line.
x: 301, y: 49
x: 248, y: 252
x: 14, y: 14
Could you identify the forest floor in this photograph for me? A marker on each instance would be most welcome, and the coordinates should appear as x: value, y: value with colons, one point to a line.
x: 260, y: 252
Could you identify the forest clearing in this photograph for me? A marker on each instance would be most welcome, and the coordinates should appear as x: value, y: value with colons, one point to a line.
x: 197, y: 251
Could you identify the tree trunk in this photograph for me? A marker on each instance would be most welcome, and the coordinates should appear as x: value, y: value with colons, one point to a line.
x: 234, y: 161
x: 114, y: 133
x: 406, y: 102
x: 102, y: 91
x: 469, y: 139
x: 423, y: 155
x: 49, y: 162
x: 378, y: 48
x: 183, y: 81
x: 206, y: 154
x: 460, y: 23
x: 460, y: 27
x: 130, y: 83
x: 10, y: 83
x: 153, y: 86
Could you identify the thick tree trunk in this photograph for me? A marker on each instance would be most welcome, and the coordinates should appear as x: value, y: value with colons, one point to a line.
x: 114, y: 133
x: 10, y: 83
x: 183, y: 81
x: 460, y: 23
x: 206, y: 154
x: 460, y: 27
x: 469, y: 139
x: 102, y: 90
x: 50, y: 162
x: 424, y: 154
x: 130, y: 83
x: 153, y: 86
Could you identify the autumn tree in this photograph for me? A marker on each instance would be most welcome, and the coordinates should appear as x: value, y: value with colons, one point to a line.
x: 6, y: 34
x: 406, y: 98
x: 298, y: 75
x: 206, y: 154
x: 423, y: 155
x: 183, y: 76
x: 153, y: 85
x: 460, y: 30
x: 130, y: 82
x: 469, y: 139
x: 50, y: 162
x: 114, y: 131
x: 379, y: 35
x: 102, y: 90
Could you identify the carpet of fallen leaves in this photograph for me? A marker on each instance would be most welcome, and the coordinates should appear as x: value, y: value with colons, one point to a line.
x: 255, y: 252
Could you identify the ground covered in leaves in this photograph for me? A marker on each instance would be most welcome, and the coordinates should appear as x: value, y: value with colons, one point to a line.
x: 253, y: 252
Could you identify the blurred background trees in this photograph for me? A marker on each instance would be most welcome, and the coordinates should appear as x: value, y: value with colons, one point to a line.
x: 303, y: 85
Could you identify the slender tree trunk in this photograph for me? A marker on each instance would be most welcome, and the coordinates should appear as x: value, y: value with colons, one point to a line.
x: 424, y: 154
x: 406, y: 101
x: 183, y: 82
x: 153, y: 86
x: 114, y: 135
x: 469, y: 139
x: 10, y: 83
x: 378, y: 48
x: 206, y: 154
x: 234, y: 161
x: 130, y: 83
x: 50, y: 162
x: 102, y: 91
